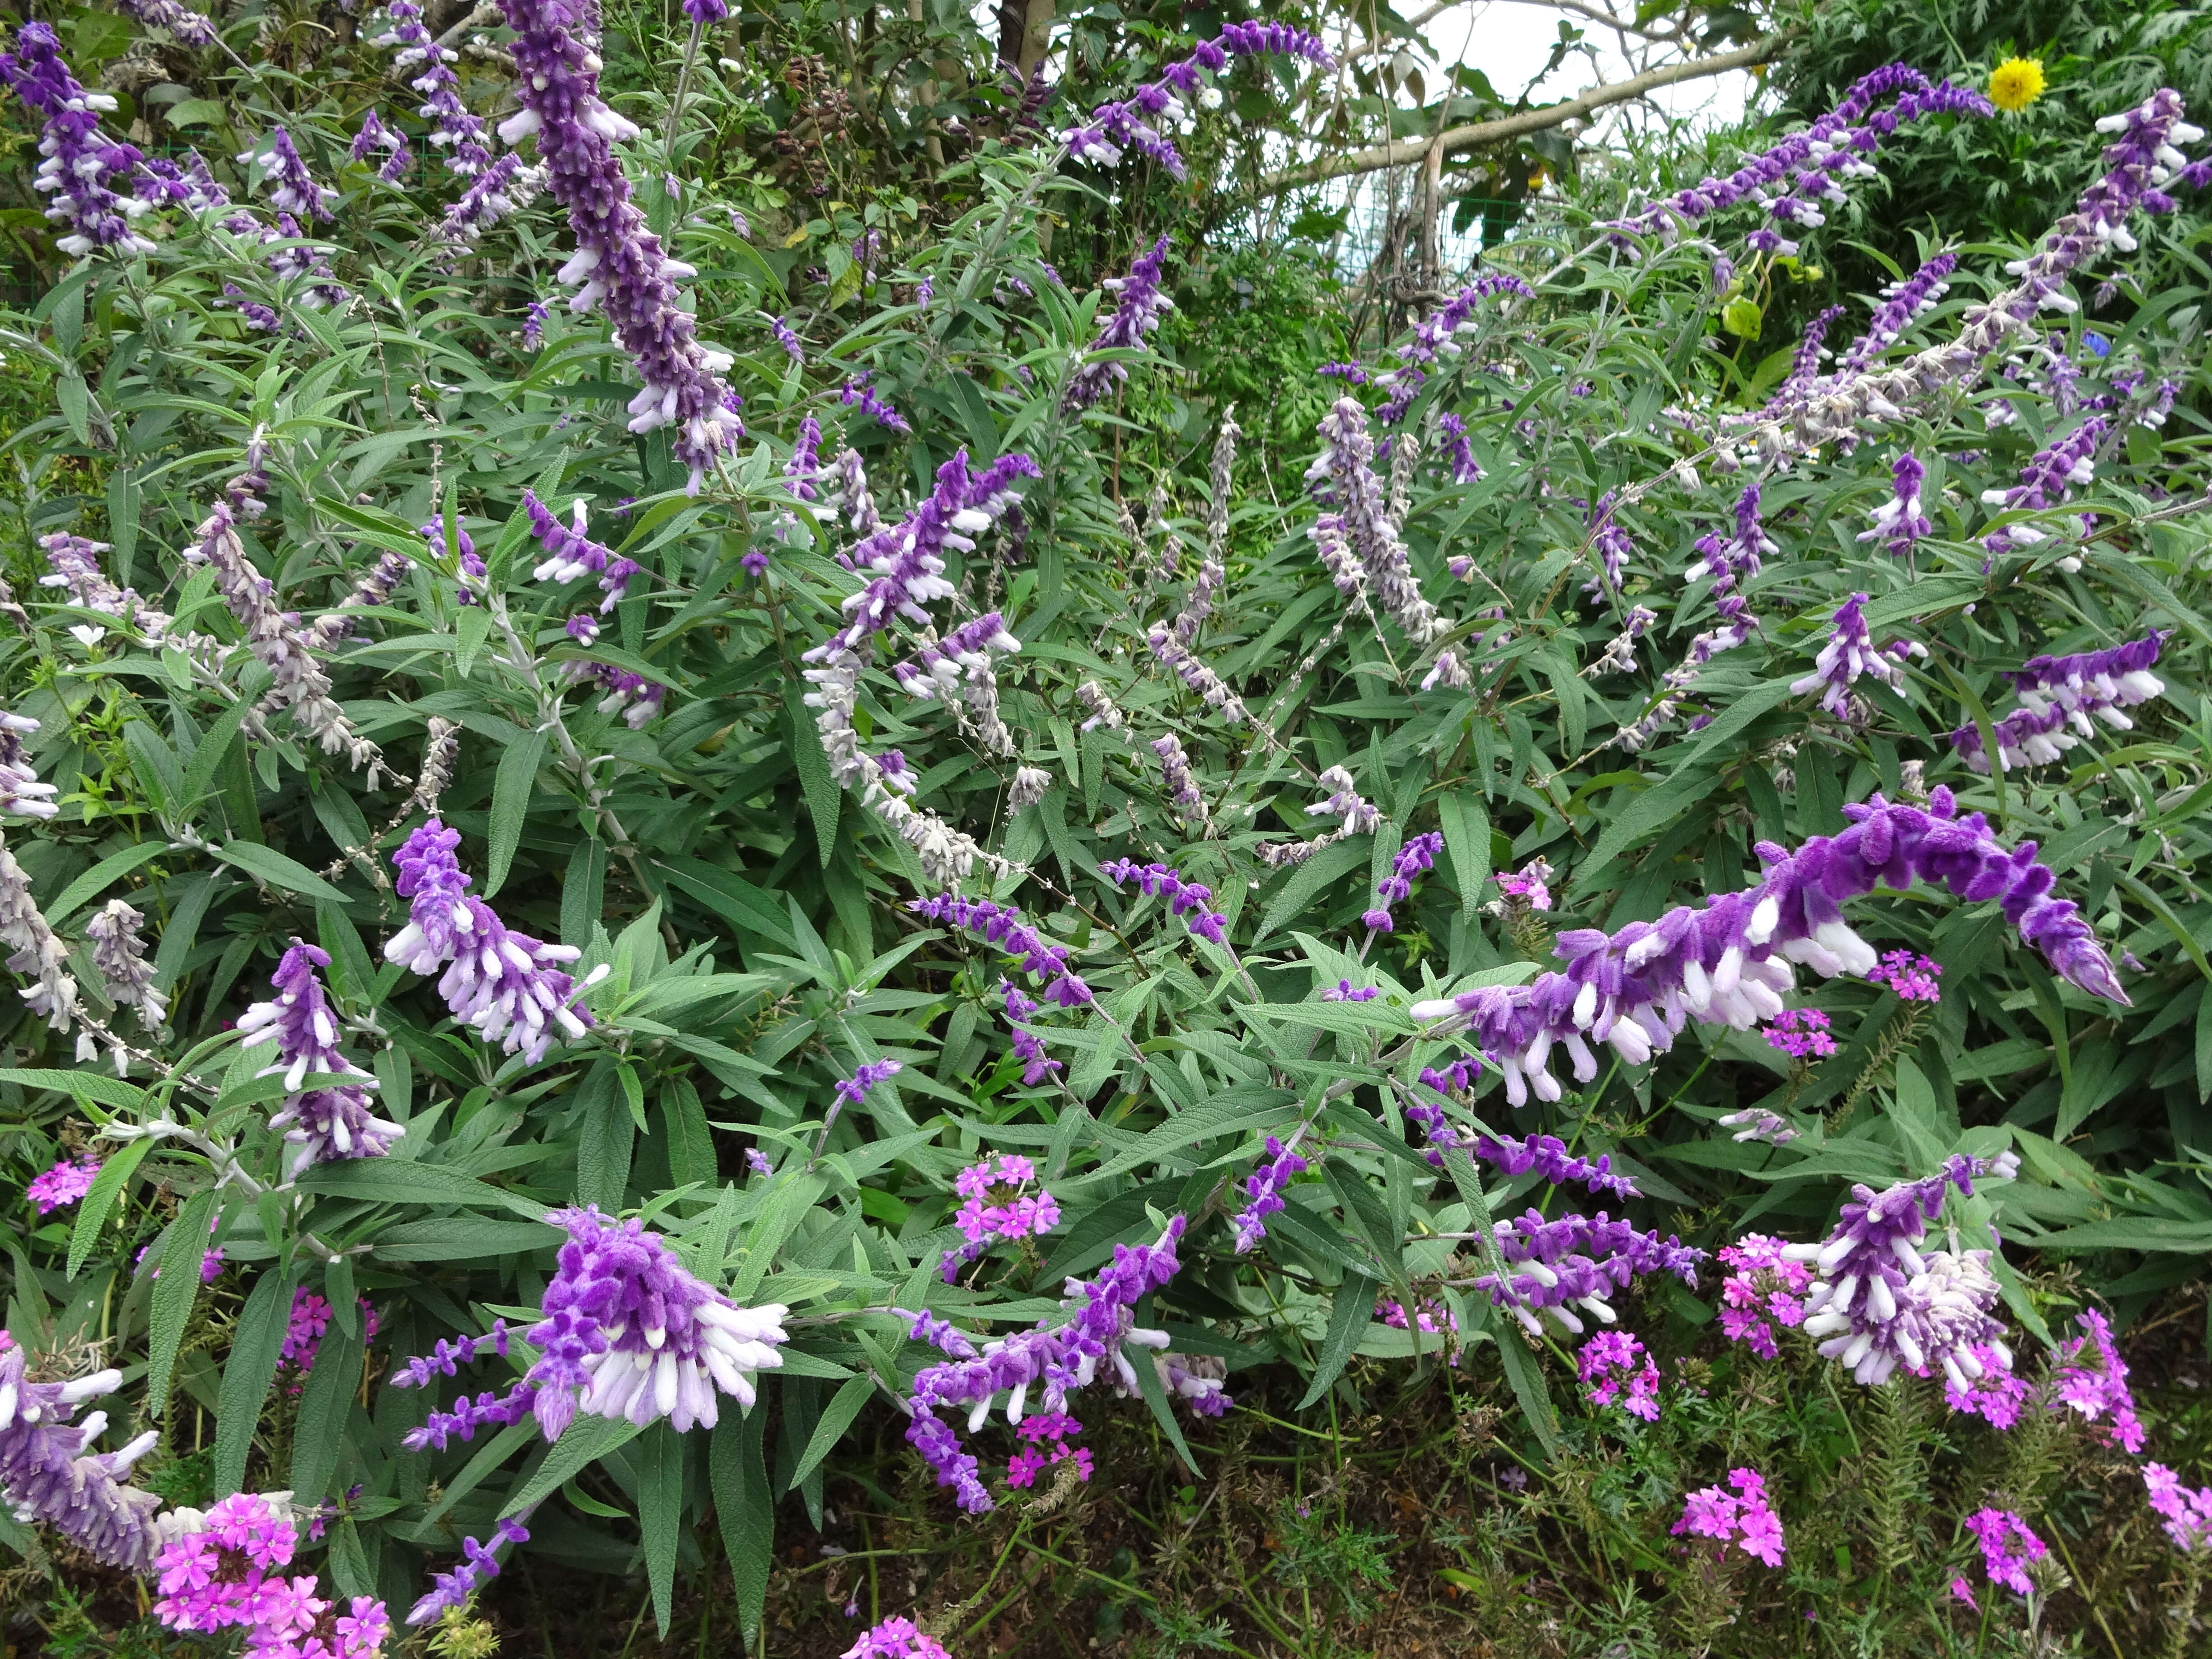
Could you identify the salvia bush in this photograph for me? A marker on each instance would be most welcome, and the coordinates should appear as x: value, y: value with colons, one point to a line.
x: 597, y: 859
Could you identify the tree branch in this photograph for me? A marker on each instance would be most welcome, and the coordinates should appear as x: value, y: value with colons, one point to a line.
x: 1516, y: 126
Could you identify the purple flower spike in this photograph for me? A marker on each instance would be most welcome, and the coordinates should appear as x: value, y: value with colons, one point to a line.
x: 1139, y: 304
x: 1880, y: 1302
x: 292, y: 188
x: 479, y: 1566
x: 2056, y: 693
x: 1548, y: 1156
x: 1577, y: 1262
x: 858, y: 393
x: 506, y: 984
x: 1135, y: 123
x: 375, y: 136
x: 1809, y: 166
x: 455, y: 132
x: 1264, y: 1187
x: 619, y: 262
x: 855, y: 1089
x: 1849, y: 653
x: 1056, y: 1359
x: 1189, y: 899
x: 1728, y: 961
x: 189, y: 27
x: 627, y: 1332
x: 93, y: 180
x: 1898, y: 522
x: 323, y: 1125
x: 1002, y: 925
x: 1415, y: 858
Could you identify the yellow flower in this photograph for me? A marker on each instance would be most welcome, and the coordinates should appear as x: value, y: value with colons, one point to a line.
x: 2016, y: 83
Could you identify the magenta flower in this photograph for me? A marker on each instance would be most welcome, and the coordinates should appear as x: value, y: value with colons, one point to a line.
x: 1048, y: 1434
x: 1766, y: 1284
x: 1742, y: 1517
x: 896, y: 1638
x: 1004, y: 1201
x: 2187, y: 1515
x: 1912, y: 977
x: 1801, y: 1033
x: 1608, y: 1363
x: 2098, y: 1387
x: 63, y: 1184
x: 2008, y: 1549
x: 1529, y: 884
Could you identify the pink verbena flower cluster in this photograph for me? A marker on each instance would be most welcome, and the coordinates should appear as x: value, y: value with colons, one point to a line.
x: 896, y: 1638
x: 226, y: 1572
x: 2008, y: 1548
x: 1801, y: 1033
x: 62, y: 1185
x: 1742, y: 1518
x: 1529, y: 884
x: 310, y: 1320
x: 1912, y: 977
x: 1047, y: 1433
x: 2099, y: 1389
x: 1000, y: 1205
x: 1608, y: 1365
x: 2187, y: 1514
x: 1765, y: 1285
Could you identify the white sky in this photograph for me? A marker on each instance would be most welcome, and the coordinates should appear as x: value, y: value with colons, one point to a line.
x: 1510, y: 41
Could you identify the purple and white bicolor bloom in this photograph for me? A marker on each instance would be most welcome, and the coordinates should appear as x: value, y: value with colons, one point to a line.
x: 48, y: 1475
x: 1263, y: 1188
x: 1575, y: 1263
x: 628, y: 1332
x: 1880, y: 1302
x: 855, y: 1089
x: 1849, y: 653
x: 2045, y: 482
x: 189, y: 27
x: 1728, y: 961
x: 1139, y: 303
x: 935, y: 670
x: 375, y: 136
x: 570, y: 553
x: 1055, y: 1360
x: 1437, y: 336
x: 1135, y: 123
x: 508, y: 986
x: 292, y: 188
x: 325, y: 1124
x: 496, y: 193
x: 1001, y: 925
x: 905, y: 562
x: 1899, y: 523
x: 455, y: 131
x: 1344, y: 803
x: 93, y: 180
x: 619, y: 264
x: 21, y: 794
x: 2056, y: 693
x: 1809, y: 164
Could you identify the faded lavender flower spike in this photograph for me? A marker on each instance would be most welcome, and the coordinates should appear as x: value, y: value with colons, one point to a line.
x: 189, y: 27
x: 119, y: 954
x: 619, y: 262
x: 49, y: 1476
x: 21, y: 794
x: 40, y: 954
